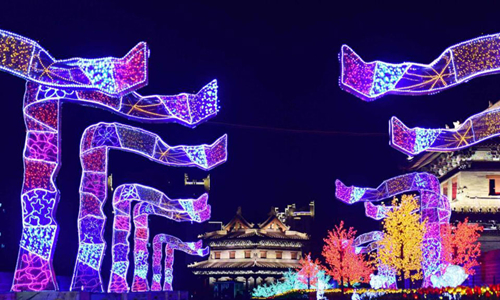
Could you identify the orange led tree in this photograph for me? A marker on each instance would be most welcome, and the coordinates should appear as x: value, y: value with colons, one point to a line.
x: 401, y: 247
x: 460, y: 245
x: 344, y: 265
x: 308, y: 270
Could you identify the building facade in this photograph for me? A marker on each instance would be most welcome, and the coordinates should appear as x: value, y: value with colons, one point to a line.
x: 252, y: 254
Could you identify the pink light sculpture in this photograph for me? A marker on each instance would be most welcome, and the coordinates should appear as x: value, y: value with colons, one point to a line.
x: 175, y: 209
x: 475, y: 129
x: 434, y: 207
x: 142, y: 211
x: 103, y: 82
x: 171, y: 243
x: 95, y: 144
x: 457, y: 64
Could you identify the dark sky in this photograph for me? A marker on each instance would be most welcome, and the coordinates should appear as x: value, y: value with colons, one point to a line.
x: 277, y: 67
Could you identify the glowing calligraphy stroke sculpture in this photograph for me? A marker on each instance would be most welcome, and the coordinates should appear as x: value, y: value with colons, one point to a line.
x: 141, y: 238
x: 175, y: 209
x: 434, y: 207
x: 112, y: 76
x: 457, y: 64
x: 477, y: 128
x: 171, y: 243
x: 95, y: 144
x: 103, y: 82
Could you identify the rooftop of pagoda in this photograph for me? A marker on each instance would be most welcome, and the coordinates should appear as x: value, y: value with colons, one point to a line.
x: 240, y: 228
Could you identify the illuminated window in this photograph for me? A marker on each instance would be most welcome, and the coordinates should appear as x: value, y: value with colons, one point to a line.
x: 263, y: 254
x: 294, y: 255
x: 217, y: 255
x: 454, y: 188
x: 247, y: 253
x: 444, y: 189
x: 494, y: 182
x: 279, y: 254
x: 232, y: 254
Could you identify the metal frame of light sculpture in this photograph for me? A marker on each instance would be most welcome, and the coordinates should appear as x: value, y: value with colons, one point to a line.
x: 171, y: 243
x: 434, y: 207
x: 112, y: 76
x: 102, y: 82
x: 94, y: 147
x: 458, y: 63
x: 142, y: 211
x: 477, y: 128
x: 175, y: 209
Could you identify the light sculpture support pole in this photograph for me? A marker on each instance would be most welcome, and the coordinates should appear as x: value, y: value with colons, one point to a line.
x: 434, y: 207
x: 457, y: 64
x: 171, y: 243
x: 95, y: 144
x: 141, y: 237
x: 475, y: 129
x: 175, y: 209
x: 39, y: 196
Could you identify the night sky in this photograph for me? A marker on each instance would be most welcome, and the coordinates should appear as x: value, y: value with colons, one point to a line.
x: 292, y: 130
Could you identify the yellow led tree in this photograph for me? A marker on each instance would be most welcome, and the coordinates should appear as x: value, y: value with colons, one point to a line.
x: 401, y: 247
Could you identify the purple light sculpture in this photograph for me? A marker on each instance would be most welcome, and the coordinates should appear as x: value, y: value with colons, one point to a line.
x: 433, y: 206
x: 103, y: 82
x: 112, y: 76
x: 175, y: 209
x: 475, y: 129
x: 458, y: 63
x: 171, y: 243
x: 95, y: 144
x: 178, y: 210
x: 141, y: 213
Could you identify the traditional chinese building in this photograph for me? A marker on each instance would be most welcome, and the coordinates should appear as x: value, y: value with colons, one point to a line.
x: 470, y: 178
x: 250, y: 253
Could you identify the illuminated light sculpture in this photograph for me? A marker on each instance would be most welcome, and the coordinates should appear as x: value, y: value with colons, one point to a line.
x: 103, y: 82
x: 457, y: 64
x: 171, y: 243
x: 95, y: 144
x: 175, y: 209
x: 475, y: 129
x: 434, y: 207
x: 369, y: 238
x: 141, y: 237
x: 112, y: 76
x: 39, y: 198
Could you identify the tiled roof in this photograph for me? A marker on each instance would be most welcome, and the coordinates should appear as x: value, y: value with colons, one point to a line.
x: 240, y: 234
x: 214, y: 264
